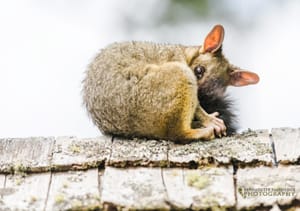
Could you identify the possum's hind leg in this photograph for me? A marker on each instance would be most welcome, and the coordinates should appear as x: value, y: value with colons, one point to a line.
x: 184, y: 133
x: 196, y: 134
x: 184, y: 103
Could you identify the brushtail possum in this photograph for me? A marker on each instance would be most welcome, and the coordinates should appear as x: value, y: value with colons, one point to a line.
x: 163, y: 91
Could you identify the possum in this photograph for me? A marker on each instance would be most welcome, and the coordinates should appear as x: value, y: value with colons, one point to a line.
x: 164, y: 91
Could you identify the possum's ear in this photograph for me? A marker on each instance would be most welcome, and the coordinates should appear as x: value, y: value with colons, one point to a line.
x: 213, y: 40
x: 243, y: 78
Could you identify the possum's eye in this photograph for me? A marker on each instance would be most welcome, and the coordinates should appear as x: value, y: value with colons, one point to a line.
x: 199, y: 71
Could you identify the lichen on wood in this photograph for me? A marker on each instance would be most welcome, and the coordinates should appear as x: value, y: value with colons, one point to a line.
x: 74, y: 190
x: 287, y: 145
x: 206, y: 188
x: 134, y: 189
x: 267, y: 186
x: 249, y: 148
x: 31, y: 154
x: 25, y: 192
x: 139, y: 152
x: 72, y: 153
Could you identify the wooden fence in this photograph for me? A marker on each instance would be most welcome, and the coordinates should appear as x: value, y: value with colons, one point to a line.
x: 253, y: 170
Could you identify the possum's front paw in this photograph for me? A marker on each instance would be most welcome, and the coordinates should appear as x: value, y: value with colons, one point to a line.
x: 217, y: 123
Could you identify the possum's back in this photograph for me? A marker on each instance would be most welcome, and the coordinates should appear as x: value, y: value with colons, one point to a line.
x: 111, y: 84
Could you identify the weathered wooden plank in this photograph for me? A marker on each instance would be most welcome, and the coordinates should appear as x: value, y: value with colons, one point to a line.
x: 74, y: 190
x: 200, y: 188
x: 2, y: 189
x: 2, y: 180
x: 25, y: 192
x: 138, y: 152
x: 275, y: 207
x: 133, y: 188
x: 287, y: 145
x: 26, y: 154
x: 267, y: 186
x: 72, y: 153
x: 249, y: 148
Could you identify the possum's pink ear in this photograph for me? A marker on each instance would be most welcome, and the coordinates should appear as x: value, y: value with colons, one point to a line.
x: 243, y: 78
x: 214, y: 39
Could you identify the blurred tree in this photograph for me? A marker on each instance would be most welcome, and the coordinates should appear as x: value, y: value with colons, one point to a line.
x: 181, y: 10
x: 154, y: 13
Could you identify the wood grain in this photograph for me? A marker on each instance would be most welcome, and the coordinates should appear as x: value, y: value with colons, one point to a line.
x: 71, y: 153
x: 287, y: 145
x: 26, y: 154
x: 74, y: 190
x: 199, y: 188
x: 138, y: 152
x: 25, y: 192
x: 267, y: 186
x: 250, y: 148
x: 133, y: 188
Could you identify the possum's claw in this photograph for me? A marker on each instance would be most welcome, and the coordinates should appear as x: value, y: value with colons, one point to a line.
x: 216, y: 123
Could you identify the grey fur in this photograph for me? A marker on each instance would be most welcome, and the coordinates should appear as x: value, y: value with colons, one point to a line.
x: 143, y: 89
